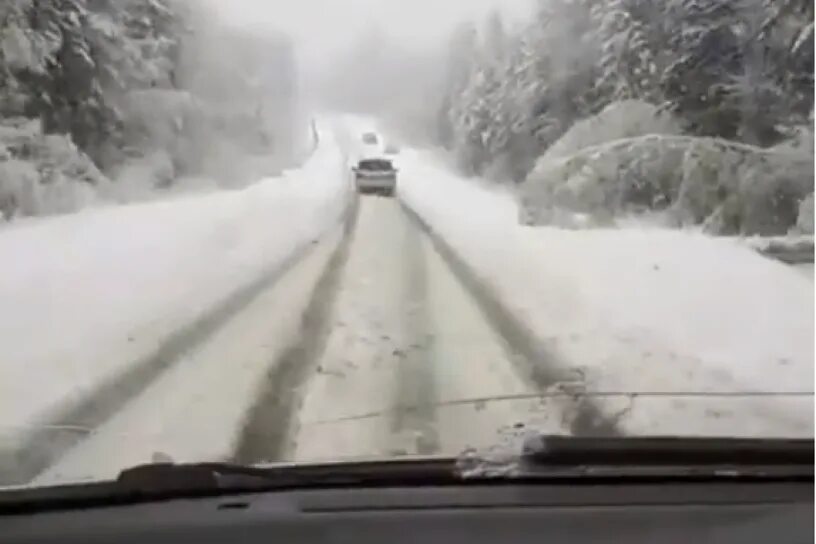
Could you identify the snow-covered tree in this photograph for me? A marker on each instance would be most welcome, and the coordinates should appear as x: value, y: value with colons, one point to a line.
x: 736, y: 73
x: 789, y: 25
x: 69, y: 59
x: 522, y: 90
x: 460, y: 63
x: 483, y: 124
x: 566, y: 50
x: 636, y: 44
x: 117, y: 82
x: 738, y: 70
x: 650, y: 79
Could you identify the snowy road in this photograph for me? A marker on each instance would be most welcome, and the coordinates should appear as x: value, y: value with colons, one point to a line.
x: 391, y: 355
x: 301, y: 325
x: 806, y: 269
x: 402, y: 341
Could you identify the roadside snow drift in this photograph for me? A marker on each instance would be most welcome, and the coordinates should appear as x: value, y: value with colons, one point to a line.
x: 631, y: 159
x: 84, y: 296
x: 714, y: 337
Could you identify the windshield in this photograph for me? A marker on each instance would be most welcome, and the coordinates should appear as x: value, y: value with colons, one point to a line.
x: 602, y: 225
x: 375, y: 165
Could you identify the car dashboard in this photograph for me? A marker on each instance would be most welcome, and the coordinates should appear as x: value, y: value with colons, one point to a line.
x: 566, y: 512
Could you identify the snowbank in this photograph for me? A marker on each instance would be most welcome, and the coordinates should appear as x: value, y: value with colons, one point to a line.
x: 43, y: 174
x: 804, y: 223
x: 644, y: 311
x: 788, y: 249
x: 617, y: 121
x: 84, y: 296
x: 727, y: 187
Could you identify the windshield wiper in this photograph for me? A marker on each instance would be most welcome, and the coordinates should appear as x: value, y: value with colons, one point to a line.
x: 669, y: 456
x: 158, y: 481
x: 204, y: 477
x: 542, y: 459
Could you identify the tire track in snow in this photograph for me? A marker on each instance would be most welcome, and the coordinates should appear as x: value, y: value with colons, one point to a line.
x: 376, y: 358
x: 69, y: 425
x: 527, y: 353
x: 269, y: 424
x: 413, y: 417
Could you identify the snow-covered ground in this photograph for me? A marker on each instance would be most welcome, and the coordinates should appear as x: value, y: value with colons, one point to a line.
x: 371, y: 344
x: 806, y: 269
x: 640, y: 310
x: 86, y: 296
x: 196, y: 410
x: 407, y: 356
x: 793, y: 249
x: 407, y: 345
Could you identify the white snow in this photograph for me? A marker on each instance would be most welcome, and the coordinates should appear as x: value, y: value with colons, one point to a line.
x: 218, y: 381
x: 688, y: 174
x: 635, y: 310
x: 84, y: 296
x: 640, y: 310
x: 618, y: 120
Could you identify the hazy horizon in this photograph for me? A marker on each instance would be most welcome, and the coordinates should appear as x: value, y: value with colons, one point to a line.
x: 323, y: 29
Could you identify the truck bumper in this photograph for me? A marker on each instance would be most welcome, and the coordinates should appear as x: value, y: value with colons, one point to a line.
x: 382, y: 185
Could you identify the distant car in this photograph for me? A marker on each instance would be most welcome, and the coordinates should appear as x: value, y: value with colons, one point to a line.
x: 370, y: 138
x: 375, y: 176
x: 392, y: 149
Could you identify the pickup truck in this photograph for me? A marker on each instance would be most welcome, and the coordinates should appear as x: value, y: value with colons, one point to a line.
x: 375, y: 176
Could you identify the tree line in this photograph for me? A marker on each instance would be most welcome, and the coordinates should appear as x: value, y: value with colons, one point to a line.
x: 741, y: 70
x: 123, y: 81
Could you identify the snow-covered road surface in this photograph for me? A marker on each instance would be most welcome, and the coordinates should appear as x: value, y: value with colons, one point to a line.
x: 369, y: 347
x: 297, y: 324
x: 405, y: 338
x: 196, y: 410
x: 806, y: 269
x: 705, y: 335
x: 85, y: 297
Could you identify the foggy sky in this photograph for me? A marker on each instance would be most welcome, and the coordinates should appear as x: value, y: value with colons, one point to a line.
x: 322, y: 29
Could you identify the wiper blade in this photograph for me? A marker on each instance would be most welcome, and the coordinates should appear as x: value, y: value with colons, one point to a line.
x: 203, y: 477
x: 159, y: 481
x: 557, y: 449
x: 670, y: 455
x: 543, y: 458
x: 161, y: 478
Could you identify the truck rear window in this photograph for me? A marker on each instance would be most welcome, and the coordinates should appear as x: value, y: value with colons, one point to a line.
x: 375, y: 165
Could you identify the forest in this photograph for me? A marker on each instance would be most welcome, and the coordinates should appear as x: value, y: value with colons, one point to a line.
x: 119, y: 100
x: 727, y: 83
x: 687, y: 112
